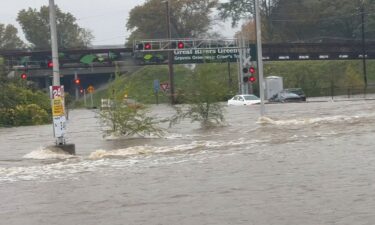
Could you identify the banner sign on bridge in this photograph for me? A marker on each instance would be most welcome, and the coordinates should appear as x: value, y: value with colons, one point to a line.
x: 191, y: 56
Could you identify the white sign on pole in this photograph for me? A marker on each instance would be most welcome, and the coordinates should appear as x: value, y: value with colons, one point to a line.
x: 58, y: 111
x: 59, y: 126
x: 246, y: 61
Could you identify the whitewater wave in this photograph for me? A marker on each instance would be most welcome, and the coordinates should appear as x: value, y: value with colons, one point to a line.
x: 69, y: 165
x: 307, y: 121
x: 184, y: 148
x: 48, y: 153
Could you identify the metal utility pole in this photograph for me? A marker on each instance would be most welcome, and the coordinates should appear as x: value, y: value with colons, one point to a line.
x: 57, y: 91
x: 55, y: 54
x: 170, y: 55
x: 260, y: 57
x: 362, y: 8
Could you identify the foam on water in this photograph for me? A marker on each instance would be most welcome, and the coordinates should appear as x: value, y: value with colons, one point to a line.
x: 107, y: 160
x: 45, y: 153
x: 307, y: 121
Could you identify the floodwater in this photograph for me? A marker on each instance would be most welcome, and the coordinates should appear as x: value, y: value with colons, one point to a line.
x: 304, y: 163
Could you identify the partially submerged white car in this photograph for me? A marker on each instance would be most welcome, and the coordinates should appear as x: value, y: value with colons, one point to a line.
x: 244, y: 100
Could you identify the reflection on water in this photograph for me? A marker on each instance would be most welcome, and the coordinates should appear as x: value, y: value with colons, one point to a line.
x: 304, y: 163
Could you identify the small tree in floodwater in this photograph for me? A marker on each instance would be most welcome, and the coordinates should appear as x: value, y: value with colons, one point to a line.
x: 205, y: 94
x: 125, y: 117
x: 129, y: 120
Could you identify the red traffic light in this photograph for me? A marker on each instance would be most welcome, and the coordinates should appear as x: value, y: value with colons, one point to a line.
x: 180, y: 45
x: 147, y: 46
x: 23, y: 76
x: 50, y: 64
x: 252, y: 70
x: 77, y: 81
x: 252, y: 79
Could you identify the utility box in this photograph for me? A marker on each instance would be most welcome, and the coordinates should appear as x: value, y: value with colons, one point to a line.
x: 274, y: 85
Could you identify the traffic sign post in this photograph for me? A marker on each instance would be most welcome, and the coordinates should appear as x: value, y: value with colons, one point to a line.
x: 58, y: 111
x: 156, y: 90
x: 90, y: 89
x: 57, y: 91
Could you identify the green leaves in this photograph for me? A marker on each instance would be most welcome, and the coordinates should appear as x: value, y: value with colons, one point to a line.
x: 35, y: 25
x: 129, y: 120
x: 9, y: 38
x: 189, y: 18
x: 206, y: 91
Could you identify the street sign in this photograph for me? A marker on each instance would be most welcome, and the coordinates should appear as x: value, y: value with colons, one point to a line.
x: 59, y: 126
x: 156, y: 85
x: 90, y: 89
x: 58, y: 110
x: 246, y: 61
x: 58, y: 107
x: 164, y: 86
x: 190, y: 56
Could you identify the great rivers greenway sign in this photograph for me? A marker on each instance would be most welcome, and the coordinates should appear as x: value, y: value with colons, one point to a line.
x: 189, y: 56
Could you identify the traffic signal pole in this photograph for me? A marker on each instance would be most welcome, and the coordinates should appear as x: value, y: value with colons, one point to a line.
x: 260, y: 57
x: 170, y: 55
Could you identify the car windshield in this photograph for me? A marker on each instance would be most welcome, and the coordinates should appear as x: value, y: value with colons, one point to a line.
x: 250, y: 97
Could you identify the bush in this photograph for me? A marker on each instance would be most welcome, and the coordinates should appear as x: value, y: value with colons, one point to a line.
x: 31, y: 114
x: 128, y: 120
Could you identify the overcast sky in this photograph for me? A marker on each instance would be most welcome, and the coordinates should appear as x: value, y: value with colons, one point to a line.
x: 105, y: 18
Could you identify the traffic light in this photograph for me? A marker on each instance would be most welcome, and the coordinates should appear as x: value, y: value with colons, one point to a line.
x: 77, y: 81
x: 81, y: 90
x: 252, y: 79
x: 180, y: 45
x: 252, y: 70
x: 23, y: 76
x: 245, y: 79
x: 147, y: 46
x: 50, y: 64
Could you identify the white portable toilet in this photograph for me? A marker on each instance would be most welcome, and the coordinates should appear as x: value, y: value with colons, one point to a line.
x: 274, y: 85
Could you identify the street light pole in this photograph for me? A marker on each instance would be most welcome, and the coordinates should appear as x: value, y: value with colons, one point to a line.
x: 170, y: 55
x: 260, y: 57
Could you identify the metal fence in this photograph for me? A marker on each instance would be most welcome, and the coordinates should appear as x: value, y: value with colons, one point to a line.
x: 341, y: 93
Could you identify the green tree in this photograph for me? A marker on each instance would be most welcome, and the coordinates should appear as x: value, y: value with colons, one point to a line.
x: 189, y: 18
x: 124, y: 117
x: 306, y: 20
x: 35, y: 25
x: 9, y: 37
x: 237, y: 10
x: 127, y: 120
x: 205, y: 93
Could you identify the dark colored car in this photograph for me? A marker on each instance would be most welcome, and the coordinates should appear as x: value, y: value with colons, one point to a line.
x: 297, y: 91
x: 289, y: 95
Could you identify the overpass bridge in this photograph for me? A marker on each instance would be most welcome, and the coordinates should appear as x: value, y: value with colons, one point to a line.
x: 99, y: 63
